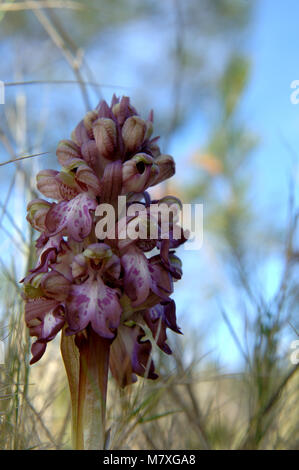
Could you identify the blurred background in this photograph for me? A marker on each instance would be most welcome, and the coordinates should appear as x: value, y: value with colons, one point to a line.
x: 218, y: 75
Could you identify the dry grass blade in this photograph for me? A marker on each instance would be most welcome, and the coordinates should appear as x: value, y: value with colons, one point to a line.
x: 64, y: 82
x: 269, y: 406
x: 31, y: 5
x: 13, y: 160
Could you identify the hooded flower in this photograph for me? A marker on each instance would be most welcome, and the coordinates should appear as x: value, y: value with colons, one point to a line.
x: 92, y: 300
x: 117, y: 286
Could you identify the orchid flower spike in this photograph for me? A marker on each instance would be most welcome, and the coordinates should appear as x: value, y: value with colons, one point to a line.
x: 102, y: 293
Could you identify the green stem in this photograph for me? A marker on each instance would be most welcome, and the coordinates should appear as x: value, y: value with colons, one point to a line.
x: 88, y: 385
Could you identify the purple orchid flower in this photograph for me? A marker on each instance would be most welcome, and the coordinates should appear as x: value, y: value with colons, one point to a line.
x: 103, y: 293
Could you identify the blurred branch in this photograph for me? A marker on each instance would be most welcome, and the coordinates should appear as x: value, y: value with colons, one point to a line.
x: 44, y: 427
x: 73, y: 60
x: 11, y: 152
x: 234, y: 335
x: 64, y: 82
x: 13, y: 223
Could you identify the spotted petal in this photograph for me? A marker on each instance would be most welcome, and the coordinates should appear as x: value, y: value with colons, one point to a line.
x: 162, y: 283
x: 158, y: 319
x: 72, y: 217
x: 95, y: 303
x: 44, y: 318
x: 137, y: 279
x: 131, y: 355
x: 155, y: 322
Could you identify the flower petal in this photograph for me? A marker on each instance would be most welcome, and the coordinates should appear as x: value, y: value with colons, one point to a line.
x: 37, y: 212
x: 160, y: 317
x: 105, y: 133
x: 155, y: 322
x: 138, y: 172
x: 86, y: 176
x: 55, y: 285
x: 44, y: 318
x: 92, y: 157
x: 47, y: 183
x: 137, y: 279
x: 133, y: 133
x: 166, y: 167
x: 111, y: 183
x: 57, y: 185
x: 93, y: 302
x: 123, y: 109
x: 66, y: 151
x: 80, y: 134
x: 37, y: 350
x: 129, y: 355
x: 72, y: 217
x: 161, y: 279
x: 169, y: 315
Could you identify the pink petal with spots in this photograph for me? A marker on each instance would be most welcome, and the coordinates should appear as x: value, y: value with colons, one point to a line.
x: 44, y: 318
x: 137, y: 280
x: 131, y: 355
x: 72, y: 217
x: 93, y: 302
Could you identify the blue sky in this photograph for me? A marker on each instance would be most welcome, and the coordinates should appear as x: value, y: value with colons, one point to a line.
x: 273, y: 47
x: 275, y: 64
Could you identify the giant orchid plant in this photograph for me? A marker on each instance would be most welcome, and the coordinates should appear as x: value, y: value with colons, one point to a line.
x: 101, y: 292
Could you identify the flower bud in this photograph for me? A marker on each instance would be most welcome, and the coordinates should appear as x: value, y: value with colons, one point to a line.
x: 104, y: 131
x: 80, y: 134
x: 66, y: 151
x: 133, y: 133
x: 116, y: 109
x: 37, y: 211
x: 123, y: 109
x: 166, y: 167
x: 47, y: 184
x: 86, y: 178
x: 91, y: 155
x: 88, y: 120
x: 137, y: 173
x: 55, y: 285
x: 176, y: 267
x: 59, y: 186
x: 149, y: 130
x: 154, y: 148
